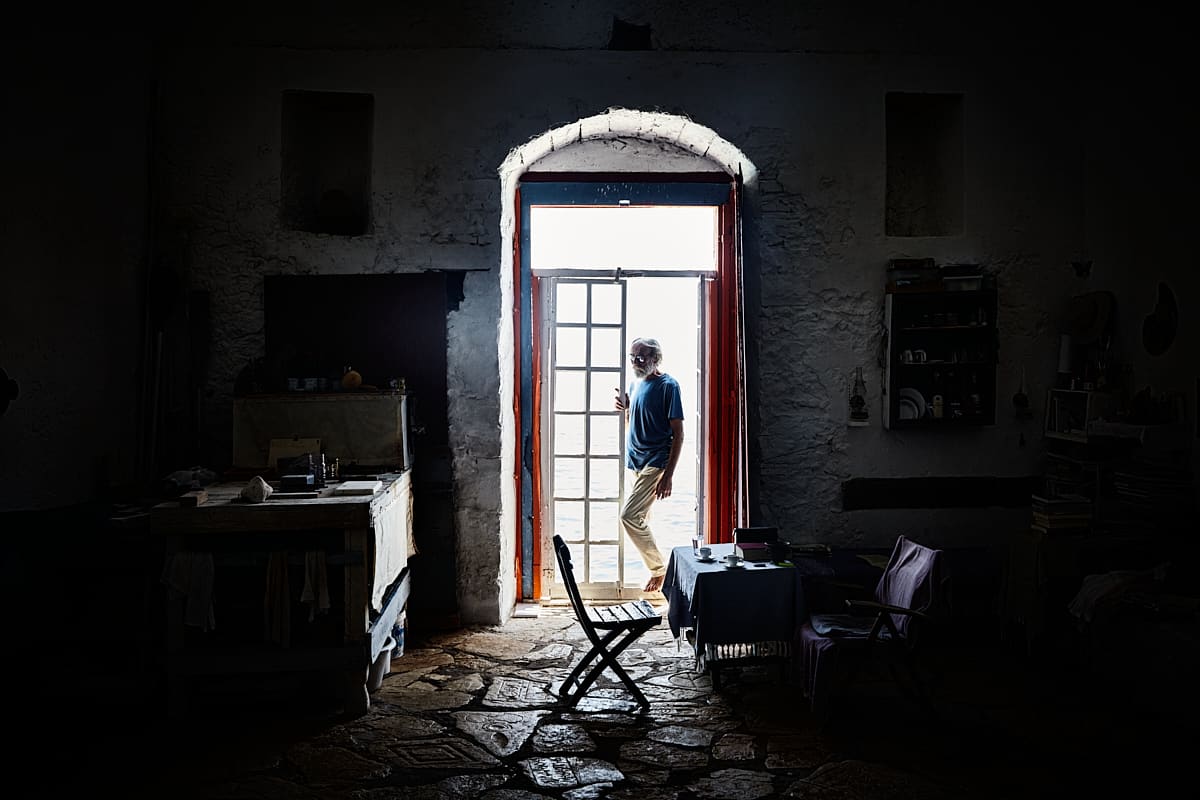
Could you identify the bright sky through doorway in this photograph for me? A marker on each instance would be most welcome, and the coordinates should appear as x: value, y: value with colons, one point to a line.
x: 675, y: 238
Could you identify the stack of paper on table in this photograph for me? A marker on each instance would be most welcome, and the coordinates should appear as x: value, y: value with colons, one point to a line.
x: 358, y: 487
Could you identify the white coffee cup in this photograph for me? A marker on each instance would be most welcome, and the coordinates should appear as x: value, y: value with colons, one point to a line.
x: 705, y: 552
x: 733, y: 560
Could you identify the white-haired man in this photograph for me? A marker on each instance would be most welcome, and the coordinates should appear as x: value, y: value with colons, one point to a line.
x: 654, y: 416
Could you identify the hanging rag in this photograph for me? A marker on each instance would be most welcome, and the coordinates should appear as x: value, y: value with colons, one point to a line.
x: 190, y: 575
x: 316, y: 583
x: 277, y: 610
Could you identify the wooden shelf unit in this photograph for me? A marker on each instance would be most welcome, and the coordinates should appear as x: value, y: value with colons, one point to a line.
x: 952, y: 339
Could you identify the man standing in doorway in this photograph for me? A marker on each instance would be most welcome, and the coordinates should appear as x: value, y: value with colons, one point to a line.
x: 654, y: 419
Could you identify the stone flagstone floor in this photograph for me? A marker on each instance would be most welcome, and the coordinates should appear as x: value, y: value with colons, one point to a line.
x: 470, y: 714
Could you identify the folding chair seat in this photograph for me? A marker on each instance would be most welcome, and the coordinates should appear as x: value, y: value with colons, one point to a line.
x: 610, y: 629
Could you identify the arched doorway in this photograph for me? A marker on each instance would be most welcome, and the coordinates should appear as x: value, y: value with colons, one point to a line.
x: 656, y: 167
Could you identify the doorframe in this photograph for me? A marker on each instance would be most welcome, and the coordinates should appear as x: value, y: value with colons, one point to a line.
x: 725, y: 484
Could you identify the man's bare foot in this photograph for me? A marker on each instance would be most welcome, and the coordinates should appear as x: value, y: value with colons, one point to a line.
x: 654, y: 584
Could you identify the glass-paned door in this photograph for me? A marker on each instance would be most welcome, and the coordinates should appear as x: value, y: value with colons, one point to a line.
x: 585, y: 331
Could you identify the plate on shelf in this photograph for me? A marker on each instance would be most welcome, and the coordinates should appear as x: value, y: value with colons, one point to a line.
x: 912, y: 403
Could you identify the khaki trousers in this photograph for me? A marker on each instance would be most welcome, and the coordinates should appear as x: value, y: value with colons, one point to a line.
x: 634, y: 514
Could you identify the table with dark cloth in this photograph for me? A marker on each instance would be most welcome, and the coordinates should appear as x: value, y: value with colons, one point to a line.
x: 754, y: 606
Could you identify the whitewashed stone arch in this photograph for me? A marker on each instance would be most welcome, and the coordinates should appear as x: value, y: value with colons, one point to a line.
x: 669, y: 131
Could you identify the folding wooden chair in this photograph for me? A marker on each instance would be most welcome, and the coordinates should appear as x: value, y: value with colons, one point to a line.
x: 834, y: 647
x: 622, y: 625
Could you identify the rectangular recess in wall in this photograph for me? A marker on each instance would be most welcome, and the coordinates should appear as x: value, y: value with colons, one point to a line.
x: 325, y: 172
x: 938, y: 492
x: 924, y: 164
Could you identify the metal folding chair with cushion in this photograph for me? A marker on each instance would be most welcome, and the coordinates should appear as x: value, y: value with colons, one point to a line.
x: 610, y: 629
x: 834, y: 647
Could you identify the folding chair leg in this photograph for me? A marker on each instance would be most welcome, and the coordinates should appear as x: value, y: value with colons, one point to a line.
x: 598, y: 646
x: 608, y: 658
x: 584, y: 662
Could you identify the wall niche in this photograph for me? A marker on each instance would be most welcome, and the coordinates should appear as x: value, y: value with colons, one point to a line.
x: 326, y: 162
x: 924, y: 164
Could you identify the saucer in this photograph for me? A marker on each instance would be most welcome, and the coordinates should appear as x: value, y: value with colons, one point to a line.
x: 727, y: 565
x: 708, y: 560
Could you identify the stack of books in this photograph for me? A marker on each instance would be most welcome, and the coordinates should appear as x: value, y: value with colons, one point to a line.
x: 1068, y: 512
x: 753, y: 551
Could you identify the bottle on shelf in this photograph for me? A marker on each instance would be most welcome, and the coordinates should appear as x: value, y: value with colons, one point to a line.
x: 858, y: 400
x: 974, y: 397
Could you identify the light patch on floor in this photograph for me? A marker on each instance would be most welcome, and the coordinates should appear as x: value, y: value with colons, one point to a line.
x: 527, y: 611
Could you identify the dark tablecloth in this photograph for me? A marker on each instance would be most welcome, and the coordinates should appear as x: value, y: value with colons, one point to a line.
x: 731, y: 606
x: 755, y: 603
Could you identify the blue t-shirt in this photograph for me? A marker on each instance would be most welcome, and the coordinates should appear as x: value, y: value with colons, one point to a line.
x: 653, y: 402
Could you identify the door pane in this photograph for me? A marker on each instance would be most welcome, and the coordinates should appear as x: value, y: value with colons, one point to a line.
x: 568, y: 390
x: 605, y: 477
x: 606, y: 347
x: 571, y: 302
x: 606, y: 303
x: 568, y: 477
x: 606, y: 435
x: 603, y: 521
x: 570, y: 347
x: 604, y: 388
x: 568, y: 518
x: 568, y: 434
x: 603, y: 392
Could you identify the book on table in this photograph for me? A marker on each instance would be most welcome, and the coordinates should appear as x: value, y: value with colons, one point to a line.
x: 753, y: 551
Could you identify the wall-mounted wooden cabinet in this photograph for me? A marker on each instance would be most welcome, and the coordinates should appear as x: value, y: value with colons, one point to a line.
x: 941, y: 359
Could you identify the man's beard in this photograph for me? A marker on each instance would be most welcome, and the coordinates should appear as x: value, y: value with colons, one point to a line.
x: 641, y: 370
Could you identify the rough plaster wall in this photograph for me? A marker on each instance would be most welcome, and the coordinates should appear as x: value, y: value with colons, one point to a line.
x: 798, y: 88
x: 816, y: 248
x: 823, y: 257
x: 486, y: 590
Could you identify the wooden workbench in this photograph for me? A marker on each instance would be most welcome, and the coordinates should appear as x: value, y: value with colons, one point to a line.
x: 366, y: 540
